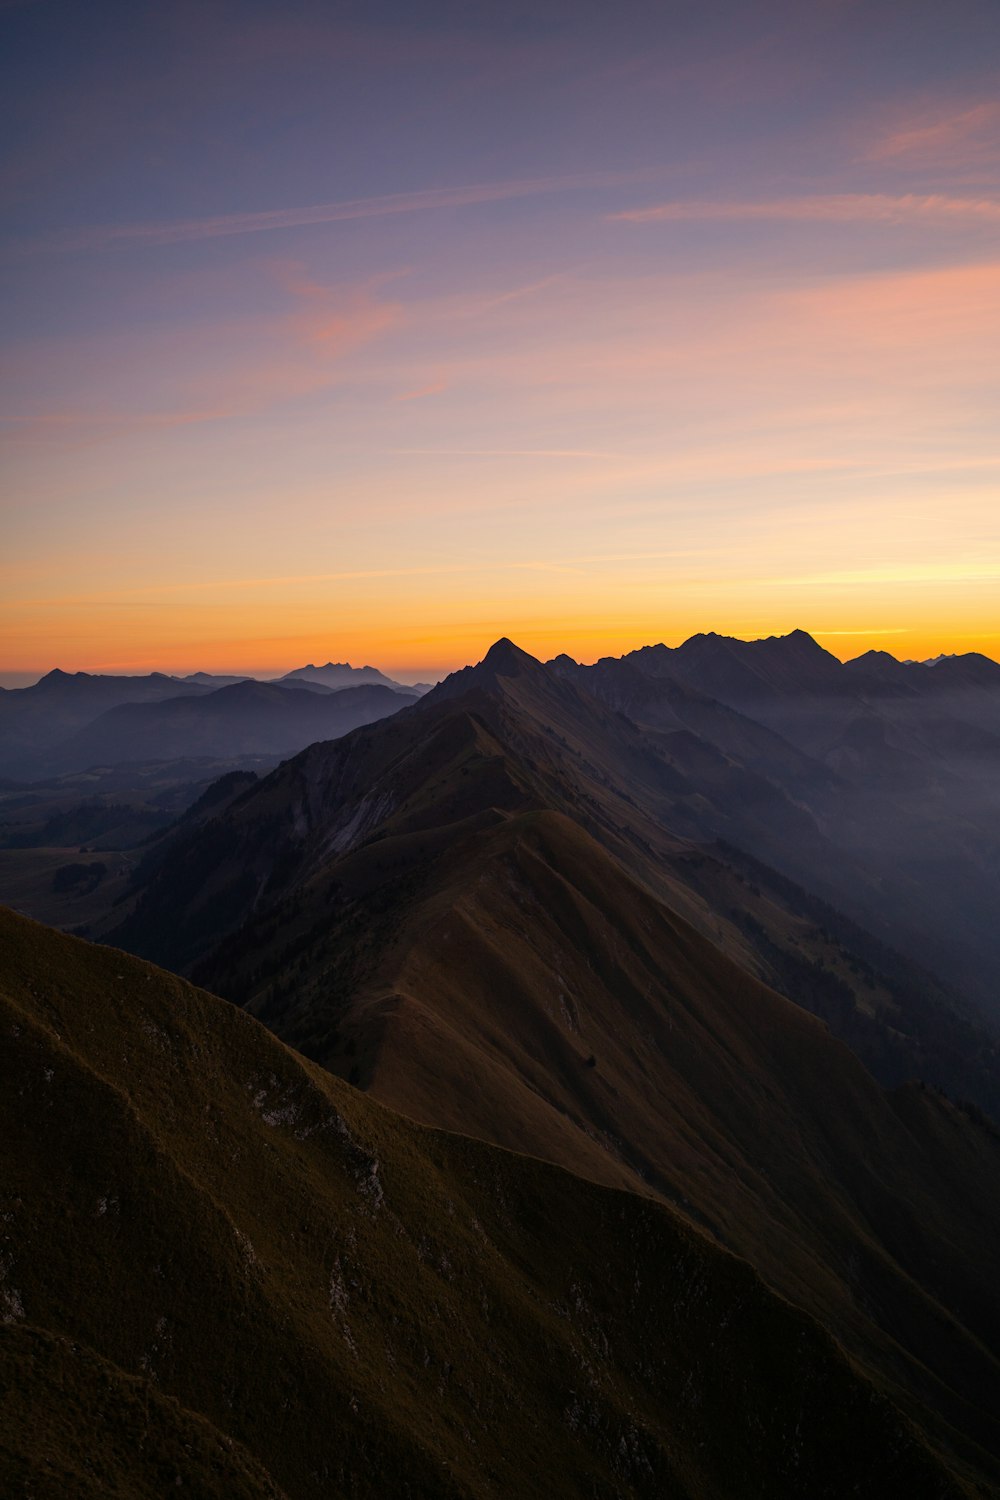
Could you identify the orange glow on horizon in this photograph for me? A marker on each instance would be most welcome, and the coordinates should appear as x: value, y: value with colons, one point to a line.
x: 415, y: 653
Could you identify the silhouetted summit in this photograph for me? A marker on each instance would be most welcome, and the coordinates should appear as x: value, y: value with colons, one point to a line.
x: 747, y: 670
x: 503, y: 662
x: 508, y: 660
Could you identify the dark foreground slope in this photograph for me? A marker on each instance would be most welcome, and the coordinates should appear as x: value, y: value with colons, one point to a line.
x: 225, y: 1272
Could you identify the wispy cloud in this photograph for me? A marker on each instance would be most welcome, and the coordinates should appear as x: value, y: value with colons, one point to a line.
x: 214, y: 585
x: 432, y: 388
x: 274, y: 361
x: 827, y: 208
x: 177, y: 231
x: 933, y: 137
x: 517, y: 293
x: 901, y: 573
x: 504, y: 453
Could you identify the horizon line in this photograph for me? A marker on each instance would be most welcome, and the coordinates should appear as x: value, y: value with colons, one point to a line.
x: 421, y: 674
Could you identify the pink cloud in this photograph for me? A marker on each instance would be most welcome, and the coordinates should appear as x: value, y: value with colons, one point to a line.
x: 432, y: 388
x: 262, y: 365
x: 967, y: 134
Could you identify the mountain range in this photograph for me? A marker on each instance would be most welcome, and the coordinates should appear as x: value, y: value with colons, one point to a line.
x: 635, y: 944
x: 70, y: 721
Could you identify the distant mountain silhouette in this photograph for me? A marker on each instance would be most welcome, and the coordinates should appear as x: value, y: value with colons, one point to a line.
x: 52, y: 727
x: 734, y: 670
x: 34, y: 719
x: 248, y: 718
x: 342, y: 674
x: 215, y: 679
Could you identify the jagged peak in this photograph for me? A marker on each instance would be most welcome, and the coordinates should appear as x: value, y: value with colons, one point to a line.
x: 800, y: 639
x: 796, y: 640
x: 874, y: 658
x: 504, y: 661
x: 507, y: 660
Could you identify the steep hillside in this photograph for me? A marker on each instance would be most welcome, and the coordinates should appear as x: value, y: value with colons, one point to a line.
x: 227, y: 1273
x: 527, y: 991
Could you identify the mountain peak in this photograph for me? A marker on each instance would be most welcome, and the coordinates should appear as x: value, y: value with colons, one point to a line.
x: 503, y: 661
x: 802, y: 638
x: 507, y: 660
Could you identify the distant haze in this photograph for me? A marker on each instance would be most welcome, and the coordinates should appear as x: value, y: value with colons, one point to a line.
x: 25, y: 679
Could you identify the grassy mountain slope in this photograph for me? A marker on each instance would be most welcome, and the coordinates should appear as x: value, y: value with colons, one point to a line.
x: 526, y: 990
x: 223, y: 1270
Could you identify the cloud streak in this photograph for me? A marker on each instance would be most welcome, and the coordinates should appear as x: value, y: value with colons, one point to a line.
x: 420, y: 392
x: 284, y: 359
x: 827, y: 208
x: 180, y: 231
x: 971, y: 131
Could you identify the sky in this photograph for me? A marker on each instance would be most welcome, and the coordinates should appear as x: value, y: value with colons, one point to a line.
x: 377, y: 331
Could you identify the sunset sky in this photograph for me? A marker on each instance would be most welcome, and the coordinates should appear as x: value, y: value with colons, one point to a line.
x: 376, y: 331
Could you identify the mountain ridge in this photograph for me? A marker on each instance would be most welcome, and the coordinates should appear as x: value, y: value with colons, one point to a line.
x: 453, y: 910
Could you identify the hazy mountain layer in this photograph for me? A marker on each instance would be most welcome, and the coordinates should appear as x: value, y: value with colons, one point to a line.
x: 33, y: 720
x: 245, y: 719
x: 898, y: 765
x: 340, y: 674
x: 227, y: 1273
x: 45, y: 728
